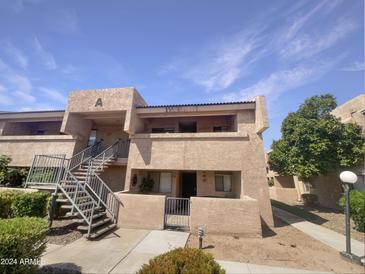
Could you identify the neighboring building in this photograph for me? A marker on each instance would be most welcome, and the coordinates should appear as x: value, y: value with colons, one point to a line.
x: 328, y: 188
x: 209, y: 153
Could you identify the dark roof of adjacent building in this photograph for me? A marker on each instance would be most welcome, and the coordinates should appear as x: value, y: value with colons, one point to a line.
x: 35, y: 111
x: 198, y: 104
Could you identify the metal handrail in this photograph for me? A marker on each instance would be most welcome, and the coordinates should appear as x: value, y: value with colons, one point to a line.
x: 100, y: 189
x: 72, y: 199
x: 83, y: 156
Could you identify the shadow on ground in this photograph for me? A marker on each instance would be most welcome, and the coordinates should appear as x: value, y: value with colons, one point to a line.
x: 69, y: 268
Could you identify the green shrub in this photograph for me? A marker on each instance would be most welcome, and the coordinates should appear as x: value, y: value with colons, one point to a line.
x: 357, y: 208
x: 146, y: 185
x: 6, y: 199
x: 20, y: 204
x: 4, y: 162
x: 16, y: 176
x: 182, y: 260
x: 22, y: 239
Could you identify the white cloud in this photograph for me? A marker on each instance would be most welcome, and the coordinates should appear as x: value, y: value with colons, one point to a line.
x: 2, y: 88
x: 281, y: 81
x: 5, y: 99
x: 18, y: 55
x: 24, y: 96
x: 45, y: 57
x: 53, y: 94
x: 35, y: 107
x: 307, y: 45
x: 20, y: 82
x: 356, y: 66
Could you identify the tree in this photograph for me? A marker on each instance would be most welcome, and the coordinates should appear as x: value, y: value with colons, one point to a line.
x: 315, y: 142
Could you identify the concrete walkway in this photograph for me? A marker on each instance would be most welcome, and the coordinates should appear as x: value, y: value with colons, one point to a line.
x: 320, y: 233
x: 123, y: 251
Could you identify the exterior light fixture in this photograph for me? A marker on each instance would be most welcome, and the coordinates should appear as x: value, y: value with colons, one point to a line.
x: 201, y: 235
x: 348, y: 178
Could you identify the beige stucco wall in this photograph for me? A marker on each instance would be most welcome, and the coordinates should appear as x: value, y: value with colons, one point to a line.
x: 351, y: 111
x: 141, y: 211
x: 114, y: 177
x: 2, y: 189
x: 226, y: 216
x: 285, y: 195
x: 206, y: 185
x: 110, y: 134
x: 23, y: 148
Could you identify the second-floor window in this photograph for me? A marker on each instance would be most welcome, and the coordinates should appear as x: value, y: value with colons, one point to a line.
x: 162, y: 130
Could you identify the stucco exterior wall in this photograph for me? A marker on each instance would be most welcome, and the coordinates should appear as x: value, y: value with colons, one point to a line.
x: 114, y: 177
x: 285, y: 195
x: 110, y: 134
x: 226, y: 216
x: 23, y: 148
x: 206, y: 185
x: 141, y: 211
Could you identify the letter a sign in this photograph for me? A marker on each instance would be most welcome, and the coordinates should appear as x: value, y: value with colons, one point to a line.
x: 99, y: 103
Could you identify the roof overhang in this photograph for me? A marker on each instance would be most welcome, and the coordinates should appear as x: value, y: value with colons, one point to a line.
x: 33, y: 116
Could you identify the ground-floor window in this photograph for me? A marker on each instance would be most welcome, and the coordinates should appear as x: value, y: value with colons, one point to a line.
x: 162, y: 181
x: 223, y: 182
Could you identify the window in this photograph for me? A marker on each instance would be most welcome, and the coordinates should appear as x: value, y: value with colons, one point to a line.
x: 92, y: 138
x: 165, y: 182
x: 223, y: 182
x: 186, y: 127
x: 162, y: 130
x: 162, y: 181
x: 220, y: 129
x: 40, y: 132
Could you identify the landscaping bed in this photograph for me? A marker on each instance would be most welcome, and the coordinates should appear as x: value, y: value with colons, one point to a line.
x: 64, y: 231
x: 329, y: 218
x: 282, y: 246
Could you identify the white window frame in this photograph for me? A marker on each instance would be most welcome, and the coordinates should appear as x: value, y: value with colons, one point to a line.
x: 225, y: 176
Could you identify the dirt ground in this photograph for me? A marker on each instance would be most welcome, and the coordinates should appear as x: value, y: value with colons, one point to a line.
x: 282, y: 246
x: 329, y: 218
x: 63, y: 231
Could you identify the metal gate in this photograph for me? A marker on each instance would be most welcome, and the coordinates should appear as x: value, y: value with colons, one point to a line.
x: 177, y: 212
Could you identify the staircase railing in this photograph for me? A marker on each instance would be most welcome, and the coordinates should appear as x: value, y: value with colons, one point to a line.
x: 82, y: 201
x: 104, y: 195
x: 48, y: 169
x: 83, y: 156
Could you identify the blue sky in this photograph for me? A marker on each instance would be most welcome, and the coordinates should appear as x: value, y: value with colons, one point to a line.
x: 182, y: 51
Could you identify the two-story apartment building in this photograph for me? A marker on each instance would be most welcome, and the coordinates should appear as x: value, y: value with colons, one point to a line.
x: 207, y: 159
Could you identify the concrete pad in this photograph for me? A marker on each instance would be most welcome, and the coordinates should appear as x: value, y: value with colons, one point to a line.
x: 98, y: 256
x: 320, y: 233
x: 51, y: 247
x: 154, y: 244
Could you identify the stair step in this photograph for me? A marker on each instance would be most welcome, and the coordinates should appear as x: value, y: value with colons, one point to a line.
x: 95, y: 216
x: 66, y: 206
x: 101, y: 231
x: 62, y: 200
x: 96, y: 224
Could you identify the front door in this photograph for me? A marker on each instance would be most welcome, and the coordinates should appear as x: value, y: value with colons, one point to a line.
x: 188, y: 180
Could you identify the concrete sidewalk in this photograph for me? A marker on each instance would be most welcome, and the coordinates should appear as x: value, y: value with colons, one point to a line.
x: 123, y: 251
x: 320, y: 233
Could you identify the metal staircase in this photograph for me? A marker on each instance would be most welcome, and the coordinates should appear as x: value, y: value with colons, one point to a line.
x: 77, y: 179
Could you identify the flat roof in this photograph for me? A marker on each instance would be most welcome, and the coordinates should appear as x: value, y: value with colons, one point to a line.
x: 198, y: 104
x: 35, y: 111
